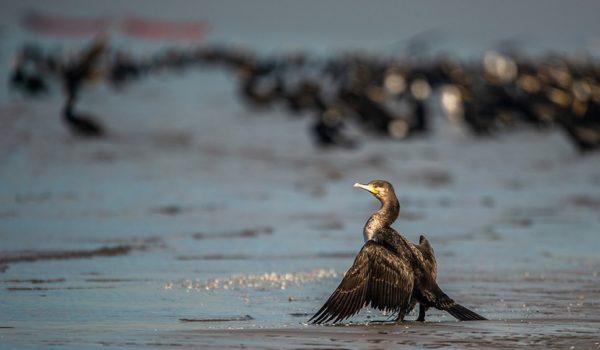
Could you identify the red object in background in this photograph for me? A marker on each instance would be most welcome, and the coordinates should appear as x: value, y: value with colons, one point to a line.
x: 64, y: 26
x: 137, y: 27
x: 160, y: 29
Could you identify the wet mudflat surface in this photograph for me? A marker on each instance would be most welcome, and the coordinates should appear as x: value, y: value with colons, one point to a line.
x: 200, y: 224
x: 494, y: 334
x: 223, y: 241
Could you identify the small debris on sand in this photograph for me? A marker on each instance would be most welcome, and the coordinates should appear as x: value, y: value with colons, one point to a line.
x: 172, y: 209
x: 329, y: 255
x: 432, y: 177
x: 292, y: 299
x: 114, y: 280
x: 522, y: 222
x: 245, y: 233
x: 585, y: 201
x: 218, y: 319
x: 216, y: 257
x: 329, y: 225
x: 173, y: 141
x: 33, y: 289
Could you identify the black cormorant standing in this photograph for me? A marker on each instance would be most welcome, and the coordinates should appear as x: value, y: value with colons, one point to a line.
x: 74, y: 75
x: 390, y: 273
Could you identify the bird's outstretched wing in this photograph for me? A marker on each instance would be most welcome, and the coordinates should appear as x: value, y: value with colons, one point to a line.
x: 378, y: 278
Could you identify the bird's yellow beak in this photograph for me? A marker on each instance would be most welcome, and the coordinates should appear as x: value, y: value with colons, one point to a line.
x: 369, y: 188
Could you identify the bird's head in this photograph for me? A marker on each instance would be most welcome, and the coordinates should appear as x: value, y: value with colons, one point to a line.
x: 382, y: 190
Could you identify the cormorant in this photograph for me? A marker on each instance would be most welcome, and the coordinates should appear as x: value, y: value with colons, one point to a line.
x: 74, y: 75
x: 390, y: 273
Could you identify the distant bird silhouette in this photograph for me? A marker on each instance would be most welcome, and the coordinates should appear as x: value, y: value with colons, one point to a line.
x: 74, y: 75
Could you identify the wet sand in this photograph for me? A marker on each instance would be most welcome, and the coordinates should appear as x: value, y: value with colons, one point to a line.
x: 534, y: 333
x: 515, y: 242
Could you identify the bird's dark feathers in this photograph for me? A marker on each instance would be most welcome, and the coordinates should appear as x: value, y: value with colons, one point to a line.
x: 437, y: 298
x: 390, y: 273
x: 428, y: 256
x: 378, y: 278
x: 462, y: 313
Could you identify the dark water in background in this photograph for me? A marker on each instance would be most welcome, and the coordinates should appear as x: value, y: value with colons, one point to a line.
x: 212, y: 212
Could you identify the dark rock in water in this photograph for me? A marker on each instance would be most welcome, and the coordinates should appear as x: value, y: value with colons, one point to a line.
x: 218, y: 319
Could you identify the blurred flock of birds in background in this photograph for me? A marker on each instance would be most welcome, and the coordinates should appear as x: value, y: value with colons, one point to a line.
x: 390, y: 96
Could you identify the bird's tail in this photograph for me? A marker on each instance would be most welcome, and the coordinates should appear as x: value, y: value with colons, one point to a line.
x: 444, y: 302
x: 462, y: 313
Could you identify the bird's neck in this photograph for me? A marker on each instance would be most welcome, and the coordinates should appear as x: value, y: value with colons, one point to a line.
x: 382, y: 218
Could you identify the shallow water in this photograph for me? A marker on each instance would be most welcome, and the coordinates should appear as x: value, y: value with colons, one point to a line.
x: 199, y: 223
